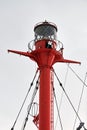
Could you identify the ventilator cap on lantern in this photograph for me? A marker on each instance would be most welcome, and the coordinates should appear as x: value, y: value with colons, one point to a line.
x: 45, y: 30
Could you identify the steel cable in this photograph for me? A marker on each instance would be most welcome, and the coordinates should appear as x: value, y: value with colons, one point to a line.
x: 24, y: 101
x: 77, y: 76
x: 32, y: 99
x: 62, y: 95
x: 58, y: 109
x: 79, y: 101
x: 68, y: 98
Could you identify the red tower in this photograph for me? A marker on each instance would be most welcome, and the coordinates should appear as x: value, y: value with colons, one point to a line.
x: 45, y: 54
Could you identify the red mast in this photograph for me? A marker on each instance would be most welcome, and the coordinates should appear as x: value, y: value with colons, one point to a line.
x: 45, y: 55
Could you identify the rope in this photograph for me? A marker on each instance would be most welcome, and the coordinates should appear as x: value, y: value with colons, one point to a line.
x: 68, y: 98
x: 24, y: 101
x: 57, y: 109
x: 79, y: 101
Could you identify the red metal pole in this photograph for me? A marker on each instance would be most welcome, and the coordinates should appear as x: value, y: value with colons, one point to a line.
x: 45, y: 99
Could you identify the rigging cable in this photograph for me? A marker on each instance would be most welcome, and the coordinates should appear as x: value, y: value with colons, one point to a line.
x: 24, y: 101
x: 57, y: 109
x: 68, y: 98
x: 32, y: 99
x: 62, y: 94
x: 80, y: 101
x: 64, y: 86
x: 78, y: 76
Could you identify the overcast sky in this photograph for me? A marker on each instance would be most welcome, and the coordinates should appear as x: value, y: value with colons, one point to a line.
x: 17, y: 21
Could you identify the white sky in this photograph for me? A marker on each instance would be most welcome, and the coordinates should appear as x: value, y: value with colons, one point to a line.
x: 17, y: 20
